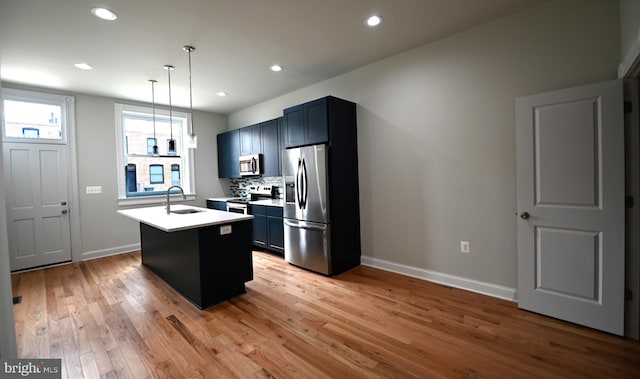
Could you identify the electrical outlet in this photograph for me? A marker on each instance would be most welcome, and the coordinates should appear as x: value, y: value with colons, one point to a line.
x: 464, y: 247
x: 94, y: 189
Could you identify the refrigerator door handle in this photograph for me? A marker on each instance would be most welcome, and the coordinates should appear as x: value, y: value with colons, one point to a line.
x: 305, y: 192
x: 298, y: 185
x: 308, y: 227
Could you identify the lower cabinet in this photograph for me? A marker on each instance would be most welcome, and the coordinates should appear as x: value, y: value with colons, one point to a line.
x: 268, y: 228
x: 216, y: 204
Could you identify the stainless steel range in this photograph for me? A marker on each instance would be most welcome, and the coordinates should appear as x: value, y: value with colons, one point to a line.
x: 241, y: 204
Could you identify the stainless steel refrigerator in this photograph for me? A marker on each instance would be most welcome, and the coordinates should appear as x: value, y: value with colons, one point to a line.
x: 307, y: 210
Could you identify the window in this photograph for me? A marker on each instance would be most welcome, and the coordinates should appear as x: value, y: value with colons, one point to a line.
x: 175, y: 174
x: 151, y: 142
x: 143, y: 175
x: 33, y: 117
x: 156, y: 174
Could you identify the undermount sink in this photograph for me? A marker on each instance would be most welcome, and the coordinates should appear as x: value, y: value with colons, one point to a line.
x: 186, y: 211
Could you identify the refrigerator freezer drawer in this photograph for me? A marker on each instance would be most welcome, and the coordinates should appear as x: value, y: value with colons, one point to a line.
x: 307, y: 244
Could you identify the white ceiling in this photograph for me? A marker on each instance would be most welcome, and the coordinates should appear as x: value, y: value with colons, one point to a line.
x: 236, y: 42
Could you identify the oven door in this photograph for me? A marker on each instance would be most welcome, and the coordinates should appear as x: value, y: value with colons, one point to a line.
x: 237, y: 208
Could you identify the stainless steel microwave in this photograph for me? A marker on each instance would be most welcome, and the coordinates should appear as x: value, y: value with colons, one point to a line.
x: 251, y: 165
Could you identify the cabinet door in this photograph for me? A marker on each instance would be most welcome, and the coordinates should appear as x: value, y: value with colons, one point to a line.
x: 270, y: 148
x: 259, y: 225
x: 294, y: 126
x: 250, y: 142
x: 234, y: 154
x: 275, y: 229
x: 316, y: 122
x: 224, y: 155
x: 215, y: 204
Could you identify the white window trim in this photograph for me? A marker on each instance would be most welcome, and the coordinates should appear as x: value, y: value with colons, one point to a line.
x: 189, y: 162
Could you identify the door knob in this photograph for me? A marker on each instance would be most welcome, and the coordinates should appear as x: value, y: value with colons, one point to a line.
x: 64, y: 211
x: 63, y: 203
x: 524, y: 215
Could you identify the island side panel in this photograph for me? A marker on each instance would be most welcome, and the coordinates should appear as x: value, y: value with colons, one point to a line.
x: 226, y: 261
x: 175, y: 258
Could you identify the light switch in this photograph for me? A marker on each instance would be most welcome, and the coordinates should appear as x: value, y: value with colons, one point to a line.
x: 94, y: 189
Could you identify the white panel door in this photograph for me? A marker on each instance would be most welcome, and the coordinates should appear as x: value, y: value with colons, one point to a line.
x: 37, y: 210
x: 570, y: 190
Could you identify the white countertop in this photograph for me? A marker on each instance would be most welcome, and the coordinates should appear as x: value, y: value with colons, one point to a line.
x: 158, y: 217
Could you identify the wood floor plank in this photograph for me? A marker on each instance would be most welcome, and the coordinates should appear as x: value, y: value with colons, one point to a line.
x: 113, y: 318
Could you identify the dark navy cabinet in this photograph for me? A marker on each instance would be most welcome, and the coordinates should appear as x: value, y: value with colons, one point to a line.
x: 275, y: 229
x: 216, y: 204
x: 228, y: 154
x: 259, y: 213
x: 308, y: 123
x: 271, y: 147
x: 265, y: 138
x: 250, y: 140
x: 268, y: 228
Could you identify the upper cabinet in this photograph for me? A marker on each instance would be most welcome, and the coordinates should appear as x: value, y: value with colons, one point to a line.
x: 250, y: 140
x: 307, y: 124
x: 264, y: 138
x: 229, y: 154
x: 270, y: 131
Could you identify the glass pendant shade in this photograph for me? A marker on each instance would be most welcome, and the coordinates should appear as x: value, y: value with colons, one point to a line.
x: 192, y: 141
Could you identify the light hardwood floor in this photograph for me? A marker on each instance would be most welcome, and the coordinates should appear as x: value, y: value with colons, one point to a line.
x: 113, y: 318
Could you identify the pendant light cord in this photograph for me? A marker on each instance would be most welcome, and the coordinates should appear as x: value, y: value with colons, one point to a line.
x: 169, y: 68
x: 153, y: 108
x: 189, y: 49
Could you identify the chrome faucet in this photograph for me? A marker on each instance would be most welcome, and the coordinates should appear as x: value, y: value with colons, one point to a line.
x: 169, y: 190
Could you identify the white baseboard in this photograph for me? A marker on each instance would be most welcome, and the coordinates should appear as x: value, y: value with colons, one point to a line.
x: 472, y: 285
x: 87, y: 255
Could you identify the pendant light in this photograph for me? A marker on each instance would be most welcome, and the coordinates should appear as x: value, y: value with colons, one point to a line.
x: 172, y: 143
x: 192, y: 141
x: 155, y: 152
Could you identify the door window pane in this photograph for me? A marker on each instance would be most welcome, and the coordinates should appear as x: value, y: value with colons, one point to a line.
x: 25, y: 119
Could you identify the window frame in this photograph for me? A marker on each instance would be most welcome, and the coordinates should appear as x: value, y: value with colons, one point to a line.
x: 188, y: 157
x: 40, y: 98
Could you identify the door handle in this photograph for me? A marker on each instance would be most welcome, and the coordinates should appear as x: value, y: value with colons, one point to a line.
x: 304, y: 184
x: 64, y: 211
x: 63, y: 203
x: 524, y: 215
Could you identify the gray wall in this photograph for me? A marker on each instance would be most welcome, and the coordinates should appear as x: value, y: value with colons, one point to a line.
x: 437, y: 136
x: 103, y: 231
x: 629, y: 26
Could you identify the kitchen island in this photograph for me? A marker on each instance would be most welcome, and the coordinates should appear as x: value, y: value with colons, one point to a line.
x: 204, y: 254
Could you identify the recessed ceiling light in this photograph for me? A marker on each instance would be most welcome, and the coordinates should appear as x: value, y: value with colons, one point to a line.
x: 83, y: 66
x: 374, y: 20
x: 104, y: 14
x: 276, y: 68
x: 221, y: 93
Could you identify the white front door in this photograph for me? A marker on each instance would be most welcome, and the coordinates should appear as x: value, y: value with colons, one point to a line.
x: 37, y: 204
x: 570, y: 198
